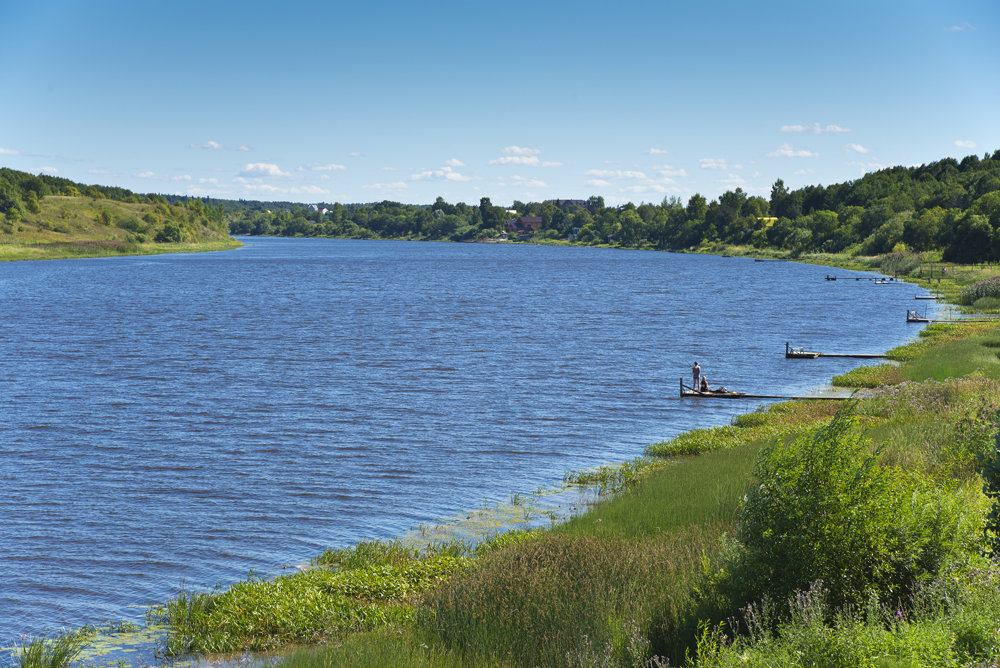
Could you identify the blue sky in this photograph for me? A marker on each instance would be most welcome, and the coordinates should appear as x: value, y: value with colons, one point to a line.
x: 632, y: 100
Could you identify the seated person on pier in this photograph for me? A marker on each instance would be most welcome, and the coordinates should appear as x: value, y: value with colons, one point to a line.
x: 704, y: 385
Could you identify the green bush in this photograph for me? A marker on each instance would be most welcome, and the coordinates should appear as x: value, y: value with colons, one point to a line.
x: 989, y: 463
x: 171, y: 233
x: 988, y: 287
x: 899, y: 263
x: 825, y: 509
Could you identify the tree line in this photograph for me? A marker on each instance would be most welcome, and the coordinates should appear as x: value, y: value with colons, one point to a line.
x: 950, y: 206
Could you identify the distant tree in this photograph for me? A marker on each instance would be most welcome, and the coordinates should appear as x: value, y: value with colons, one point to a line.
x: 32, y: 202
x: 697, y: 207
x: 971, y: 240
x: 171, y: 233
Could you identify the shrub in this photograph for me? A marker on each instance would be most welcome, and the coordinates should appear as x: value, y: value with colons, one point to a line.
x: 899, y: 263
x: 171, y: 233
x: 132, y: 224
x: 988, y: 287
x: 824, y: 509
x: 990, y: 466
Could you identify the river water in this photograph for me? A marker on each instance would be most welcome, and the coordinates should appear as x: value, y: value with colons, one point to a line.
x: 182, y: 420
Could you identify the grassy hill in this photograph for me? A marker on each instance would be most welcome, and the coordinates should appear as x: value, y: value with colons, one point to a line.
x: 93, y: 225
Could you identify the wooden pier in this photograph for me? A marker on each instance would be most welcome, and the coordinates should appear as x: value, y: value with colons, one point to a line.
x: 688, y: 393
x: 800, y: 354
x: 852, y: 278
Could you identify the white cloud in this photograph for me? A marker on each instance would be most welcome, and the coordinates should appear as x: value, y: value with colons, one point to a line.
x: 210, y: 180
x: 787, y: 151
x: 866, y: 167
x: 714, y: 163
x: 216, y: 146
x: 529, y: 182
x: 396, y: 185
x: 965, y: 143
x: 445, y: 173
x: 857, y: 148
x: 355, y: 154
x: 49, y: 170
x: 146, y: 175
x: 182, y: 177
x: 599, y: 183
x: 294, y: 190
x: 815, y: 128
x: 615, y: 174
x: 519, y: 155
x: 639, y: 189
x: 9, y: 151
x: 733, y: 180
x: 454, y: 162
x: 669, y: 170
x: 530, y: 160
x: 960, y: 28
x: 261, y: 170
x: 803, y: 172
x: 519, y: 150
x: 332, y: 167
x: 657, y: 151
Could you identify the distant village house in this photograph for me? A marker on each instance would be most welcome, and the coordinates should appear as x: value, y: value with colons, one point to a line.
x: 524, y: 226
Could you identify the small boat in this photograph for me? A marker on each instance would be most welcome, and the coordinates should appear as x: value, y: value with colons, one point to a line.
x: 713, y: 394
x: 928, y: 297
x: 885, y: 281
x: 799, y: 354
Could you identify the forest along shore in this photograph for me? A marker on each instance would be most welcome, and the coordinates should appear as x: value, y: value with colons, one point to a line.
x: 675, y: 565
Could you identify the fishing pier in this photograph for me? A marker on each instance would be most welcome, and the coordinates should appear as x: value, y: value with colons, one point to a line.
x: 800, y: 354
x: 689, y: 393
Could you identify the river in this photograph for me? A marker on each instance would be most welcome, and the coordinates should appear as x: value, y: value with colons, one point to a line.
x: 183, y: 420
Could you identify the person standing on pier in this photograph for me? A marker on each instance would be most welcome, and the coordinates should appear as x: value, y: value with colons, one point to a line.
x: 695, y: 376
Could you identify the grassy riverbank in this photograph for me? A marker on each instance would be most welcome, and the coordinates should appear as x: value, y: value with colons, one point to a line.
x: 75, y: 226
x: 809, y: 533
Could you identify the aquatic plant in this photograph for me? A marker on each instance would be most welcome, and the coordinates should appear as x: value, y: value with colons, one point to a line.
x: 58, y: 652
x: 373, y: 585
x: 613, y: 479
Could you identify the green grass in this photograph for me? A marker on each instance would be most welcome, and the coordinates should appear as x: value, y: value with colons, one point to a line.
x: 870, y: 376
x: 58, y: 652
x: 401, y: 646
x: 779, y: 419
x: 614, y: 479
x: 697, y: 490
x: 72, y: 227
